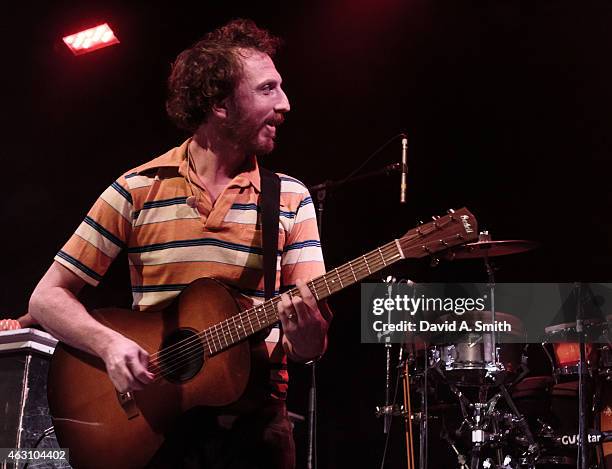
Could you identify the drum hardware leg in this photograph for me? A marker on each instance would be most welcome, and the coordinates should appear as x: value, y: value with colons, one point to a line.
x: 475, y: 456
x: 545, y: 428
x: 491, y: 403
x: 582, y: 371
x: 387, y: 416
x: 498, y: 450
x: 465, y: 423
x: 461, y: 459
x: 596, y: 412
x: 524, y: 372
x: 553, y: 365
x: 533, y: 449
x: 464, y: 402
x: 389, y: 411
x: 508, y: 463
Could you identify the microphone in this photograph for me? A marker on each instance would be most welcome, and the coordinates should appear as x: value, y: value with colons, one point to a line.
x: 404, y: 169
x: 191, y: 201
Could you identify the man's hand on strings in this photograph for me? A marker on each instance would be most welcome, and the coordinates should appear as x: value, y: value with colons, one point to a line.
x: 305, y: 323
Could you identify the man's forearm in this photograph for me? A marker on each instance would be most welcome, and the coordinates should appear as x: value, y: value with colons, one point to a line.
x: 60, y: 313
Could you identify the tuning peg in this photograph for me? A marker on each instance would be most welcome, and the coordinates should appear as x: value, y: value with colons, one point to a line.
x: 420, y: 222
x: 434, y: 262
x: 434, y: 218
x: 450, y: 211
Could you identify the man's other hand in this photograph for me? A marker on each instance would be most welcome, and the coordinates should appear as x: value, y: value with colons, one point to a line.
x: 9, y: 324
x: 127, y: 364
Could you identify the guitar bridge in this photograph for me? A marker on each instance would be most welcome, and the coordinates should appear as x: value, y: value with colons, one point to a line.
x: 128, y: 404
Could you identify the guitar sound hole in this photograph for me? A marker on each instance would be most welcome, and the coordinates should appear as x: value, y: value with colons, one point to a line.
x: 181, y: 355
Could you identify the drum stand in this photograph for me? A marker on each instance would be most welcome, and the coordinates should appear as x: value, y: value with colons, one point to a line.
x: 388, y: 410
x: 485, y: 419
x: 582, y: 372
x: 423, y: 422
x: 391, y: 409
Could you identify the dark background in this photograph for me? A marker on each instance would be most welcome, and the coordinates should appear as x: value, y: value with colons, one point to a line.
x: 507, y: 106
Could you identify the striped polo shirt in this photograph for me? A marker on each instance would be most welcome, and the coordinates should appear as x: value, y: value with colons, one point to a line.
x: 170, y: 244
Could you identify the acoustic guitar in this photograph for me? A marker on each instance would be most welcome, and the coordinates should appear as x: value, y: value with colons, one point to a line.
x: 199, y: 352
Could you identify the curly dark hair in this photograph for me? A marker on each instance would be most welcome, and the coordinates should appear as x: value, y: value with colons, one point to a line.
x: 208, y: 72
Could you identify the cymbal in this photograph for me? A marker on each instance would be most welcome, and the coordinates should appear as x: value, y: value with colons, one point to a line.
x: 481, y: 249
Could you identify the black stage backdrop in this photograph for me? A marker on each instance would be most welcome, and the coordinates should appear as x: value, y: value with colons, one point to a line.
x: 507, y: 105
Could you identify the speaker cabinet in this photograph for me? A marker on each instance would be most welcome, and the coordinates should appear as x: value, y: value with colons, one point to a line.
x: 24, y: 412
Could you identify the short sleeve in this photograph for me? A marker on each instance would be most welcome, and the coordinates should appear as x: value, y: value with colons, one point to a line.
x: 101, y: 236
x: 302, y: 257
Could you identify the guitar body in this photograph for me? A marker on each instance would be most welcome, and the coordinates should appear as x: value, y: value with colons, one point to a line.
x: 87, y: 412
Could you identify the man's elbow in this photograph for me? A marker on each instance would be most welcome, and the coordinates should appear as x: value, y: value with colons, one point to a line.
x: 36, y: 303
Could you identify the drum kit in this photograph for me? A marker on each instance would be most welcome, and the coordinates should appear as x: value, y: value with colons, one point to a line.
x: 480, y: 398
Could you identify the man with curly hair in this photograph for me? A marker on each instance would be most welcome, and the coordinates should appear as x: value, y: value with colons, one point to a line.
x: 194, y: 212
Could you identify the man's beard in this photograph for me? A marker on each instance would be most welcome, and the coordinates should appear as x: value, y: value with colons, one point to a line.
x: 242, y: 130
x: 245, y: 135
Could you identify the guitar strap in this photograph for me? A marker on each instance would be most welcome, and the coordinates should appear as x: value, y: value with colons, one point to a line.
x: 270, y: 211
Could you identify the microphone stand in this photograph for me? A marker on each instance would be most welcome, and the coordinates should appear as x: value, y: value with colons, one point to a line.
x: 329, y: 184
x: 321, y: 191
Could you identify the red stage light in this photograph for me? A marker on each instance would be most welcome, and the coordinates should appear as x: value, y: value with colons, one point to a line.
x: 91, y: 39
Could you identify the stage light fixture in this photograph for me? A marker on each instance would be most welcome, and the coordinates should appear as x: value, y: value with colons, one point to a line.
x: 91, y: 39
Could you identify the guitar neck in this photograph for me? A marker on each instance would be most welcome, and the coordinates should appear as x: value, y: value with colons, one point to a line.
x: 453, y: 229
x: 255, y: 319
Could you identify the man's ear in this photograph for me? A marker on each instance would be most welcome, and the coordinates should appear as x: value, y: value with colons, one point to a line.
x: 219, y: 109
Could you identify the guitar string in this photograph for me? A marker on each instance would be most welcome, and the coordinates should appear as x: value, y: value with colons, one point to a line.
x: 421, y: 232
x: 213, y: 333
x: 252, y: 312
x: 192, y: 355
x: 270, y: 313
x: 218, y: 331
x: 341, y: 268
x: 189, y: 355
x: 195, y: 351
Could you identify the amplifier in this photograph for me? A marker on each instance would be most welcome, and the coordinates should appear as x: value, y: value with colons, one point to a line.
x: 24, y: 412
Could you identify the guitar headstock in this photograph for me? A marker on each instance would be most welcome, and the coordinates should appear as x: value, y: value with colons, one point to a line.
x: 453, y: 229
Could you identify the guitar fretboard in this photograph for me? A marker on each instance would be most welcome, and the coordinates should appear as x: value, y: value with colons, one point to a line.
x: 240, y: 326
x: 444, y: 232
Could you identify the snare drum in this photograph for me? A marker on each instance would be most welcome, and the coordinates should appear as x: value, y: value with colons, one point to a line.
x: 472, y: 362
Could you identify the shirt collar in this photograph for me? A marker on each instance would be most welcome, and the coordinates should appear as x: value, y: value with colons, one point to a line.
x: 176, y: 158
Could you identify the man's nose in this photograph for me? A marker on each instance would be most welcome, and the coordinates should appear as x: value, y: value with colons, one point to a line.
x: 283, y: 103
